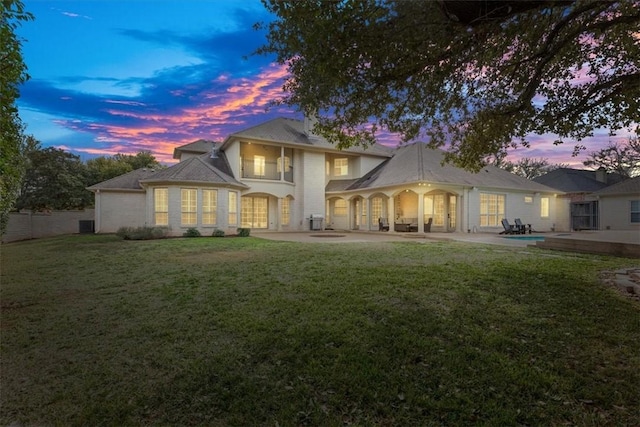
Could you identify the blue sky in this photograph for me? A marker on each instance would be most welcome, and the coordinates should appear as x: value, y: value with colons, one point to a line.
x: 116, y: 76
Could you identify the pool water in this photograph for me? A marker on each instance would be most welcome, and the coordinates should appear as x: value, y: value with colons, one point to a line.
x: 525, y: 237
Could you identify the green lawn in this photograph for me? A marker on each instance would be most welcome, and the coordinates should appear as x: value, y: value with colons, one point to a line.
x: 247, y: 332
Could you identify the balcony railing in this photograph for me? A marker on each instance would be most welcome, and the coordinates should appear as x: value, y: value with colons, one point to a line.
x: 269, y: 170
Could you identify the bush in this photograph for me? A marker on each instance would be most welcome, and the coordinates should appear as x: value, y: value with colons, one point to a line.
x: 191, y: 232
x: 244, y: 232
x: 142, y: 233
x: 218, y: 233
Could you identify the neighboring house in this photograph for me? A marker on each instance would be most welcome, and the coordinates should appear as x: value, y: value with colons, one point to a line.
x: 619, y: 205
x: 280, y: 176
x: 578, y: 207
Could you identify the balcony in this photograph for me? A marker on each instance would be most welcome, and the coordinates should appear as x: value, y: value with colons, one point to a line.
x: 267, y: 170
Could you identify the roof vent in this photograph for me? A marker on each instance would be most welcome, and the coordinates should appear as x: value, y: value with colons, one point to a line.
x: 214, y: 153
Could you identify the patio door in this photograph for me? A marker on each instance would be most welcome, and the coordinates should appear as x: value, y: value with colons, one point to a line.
x: 255, y: 212
x: 584, y: 215
x: 453, y: 208
x: 441, y: 207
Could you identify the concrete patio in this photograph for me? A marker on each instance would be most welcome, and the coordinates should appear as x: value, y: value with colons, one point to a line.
x: 620, y: 243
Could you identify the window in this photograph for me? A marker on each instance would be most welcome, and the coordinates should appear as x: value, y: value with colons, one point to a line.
x: 209, y: 207
x: 285, y: 214
x: 376, y: 208
x: 363, y: 213
x: 528, y: 199
x: 438, y: 210
x: 340, y: 207
x: 254, y: 212
x: 188, y: 206
x: 544, y: 207
x: 434, y: 207
x: 491, y: 209
x: 428, y: 208
x: 161, y: 206
x: 287, y: 164
x: 259, y: 163
x: 635, y: 211
x: 233, y: 208
x: 341, y: 167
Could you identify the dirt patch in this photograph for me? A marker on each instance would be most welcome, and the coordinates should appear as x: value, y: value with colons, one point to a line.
x: 625, y: 281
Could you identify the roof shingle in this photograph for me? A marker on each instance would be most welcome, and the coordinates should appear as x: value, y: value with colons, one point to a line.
x: 417, y: 162
x: 290, y: 131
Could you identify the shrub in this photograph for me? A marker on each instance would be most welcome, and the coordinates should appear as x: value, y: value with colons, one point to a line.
x: 159, y: 232
x: 218, y: 233
x: 244, y: 232
x: 191, y: 232
x: 142, y: 233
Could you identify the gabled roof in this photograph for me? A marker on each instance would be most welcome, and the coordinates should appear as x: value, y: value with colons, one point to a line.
x: 197, y: 169
x: 289, y: 131
x: 417, y: 162
x: 128, y: 181
x: 200, y: 146
x: 576, y: 180
x: 630, y: 186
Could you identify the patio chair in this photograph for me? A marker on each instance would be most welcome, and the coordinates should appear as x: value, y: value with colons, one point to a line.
x: 427, y: 225
x: 383, y: 224
x: 523, y: 228
x: 508, y: 228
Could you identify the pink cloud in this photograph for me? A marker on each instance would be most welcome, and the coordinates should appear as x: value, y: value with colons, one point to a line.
x: 215, y: 116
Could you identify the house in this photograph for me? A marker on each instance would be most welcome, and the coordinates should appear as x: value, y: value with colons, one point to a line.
x: 578, y: 207
x: 619, y: 206
x: 279, y: 176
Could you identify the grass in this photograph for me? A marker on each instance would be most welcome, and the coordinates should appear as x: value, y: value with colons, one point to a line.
x: 100, y: 331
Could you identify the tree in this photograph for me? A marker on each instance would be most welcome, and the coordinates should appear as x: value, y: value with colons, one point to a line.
x: 12, y: 74
x: 104, y: 167
x: 623, y: 159
x: 475, y: 76
x: 54, y: 179
x: 528, y: 167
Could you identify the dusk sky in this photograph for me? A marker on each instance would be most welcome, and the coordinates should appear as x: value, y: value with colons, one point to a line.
x: 115, y: 76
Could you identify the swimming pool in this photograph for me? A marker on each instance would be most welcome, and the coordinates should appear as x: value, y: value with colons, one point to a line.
x: 533, y: 238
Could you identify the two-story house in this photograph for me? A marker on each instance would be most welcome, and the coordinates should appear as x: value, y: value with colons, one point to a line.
x: 280, y: 176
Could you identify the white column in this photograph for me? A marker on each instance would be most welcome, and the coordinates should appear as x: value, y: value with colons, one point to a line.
x: 421, y: 211
x: 391, y: 213
x: 279, y: 215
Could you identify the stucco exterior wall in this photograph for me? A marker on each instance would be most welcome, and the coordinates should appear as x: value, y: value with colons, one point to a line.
x: 615, y: 213
x: 563, y: 214
x: 33, y: 225
x: 297, y: 203
x: 176, y: 228
x: 367, y: 163
x: 119, y: 209
x: 515, y: 207
x: 232, y: 152
x: 312, y: 186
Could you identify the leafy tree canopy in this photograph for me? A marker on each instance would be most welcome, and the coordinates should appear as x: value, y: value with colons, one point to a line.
x: 54, y: 179
x: 104, y: 168
x: 475, y: 76
x: 623, y: 159
x: 528, y: 167
x: 12, y: 74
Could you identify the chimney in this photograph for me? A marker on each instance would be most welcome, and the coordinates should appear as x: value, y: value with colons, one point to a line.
x: 309, y: 123
x: 601, y: 175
